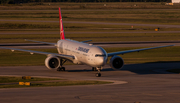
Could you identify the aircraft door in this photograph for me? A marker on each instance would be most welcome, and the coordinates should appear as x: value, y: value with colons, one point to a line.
x: 61, y: 48
x: 91, y: 58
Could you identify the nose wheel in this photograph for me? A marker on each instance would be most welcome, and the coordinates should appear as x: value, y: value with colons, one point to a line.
x: 98, y: 69
x: 98, y: 74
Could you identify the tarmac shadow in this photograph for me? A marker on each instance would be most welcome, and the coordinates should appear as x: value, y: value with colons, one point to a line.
x: 144, y: 68
x: 152, y: 68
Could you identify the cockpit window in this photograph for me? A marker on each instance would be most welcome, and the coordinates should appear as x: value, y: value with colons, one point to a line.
x: 100, y: 55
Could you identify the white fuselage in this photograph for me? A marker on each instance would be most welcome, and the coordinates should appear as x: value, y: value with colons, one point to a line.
x: 84, y: 53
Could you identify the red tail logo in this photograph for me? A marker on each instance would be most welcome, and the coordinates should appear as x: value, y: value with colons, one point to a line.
x: 61, y: 25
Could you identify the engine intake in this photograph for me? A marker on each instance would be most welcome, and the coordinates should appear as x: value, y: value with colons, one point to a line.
x: 116, y: 62
x: 52, y: 62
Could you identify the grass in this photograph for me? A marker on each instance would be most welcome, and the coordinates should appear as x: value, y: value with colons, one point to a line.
x: 69, y: 83
x: 152, y: 16
x: 12, y: 82
x: 50, y: 36
x: 40, y: 26
x: 4, y: 79
x: 97, y: 5
x: 22, y: 26
x: 52, y: 84
x: 22, y: 58
x: 40, y: 21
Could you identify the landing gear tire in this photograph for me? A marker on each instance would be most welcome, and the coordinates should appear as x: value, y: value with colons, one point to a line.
x: 61, y: 63
x: 98, y: 74
x: 61, y: 69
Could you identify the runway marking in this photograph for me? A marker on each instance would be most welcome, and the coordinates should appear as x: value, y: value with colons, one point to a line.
x: 115, y: 82
x: 120, y: 82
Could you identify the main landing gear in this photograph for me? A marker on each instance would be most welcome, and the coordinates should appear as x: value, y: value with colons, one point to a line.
x: 94, y: 69
x: 97, y: 69
x: 61, y: 69
x: 61, y: 63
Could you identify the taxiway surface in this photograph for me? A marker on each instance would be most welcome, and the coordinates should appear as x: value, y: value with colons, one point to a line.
x: 146, y: 83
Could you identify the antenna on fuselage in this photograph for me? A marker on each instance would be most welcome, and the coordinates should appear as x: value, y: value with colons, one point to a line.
x: 61, y: 25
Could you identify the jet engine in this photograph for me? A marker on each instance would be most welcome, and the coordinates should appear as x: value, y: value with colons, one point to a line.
x: 116, y: 62
x: 52, y: 62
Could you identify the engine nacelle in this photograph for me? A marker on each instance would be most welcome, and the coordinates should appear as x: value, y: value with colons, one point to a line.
x: 52, y: 62
x: 116, y: 62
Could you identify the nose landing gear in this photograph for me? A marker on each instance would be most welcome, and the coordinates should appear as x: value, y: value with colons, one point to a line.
x: 98, y: 69
x: 98, y: 74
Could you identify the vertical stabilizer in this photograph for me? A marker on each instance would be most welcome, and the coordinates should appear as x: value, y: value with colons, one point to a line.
x: 61, y: 25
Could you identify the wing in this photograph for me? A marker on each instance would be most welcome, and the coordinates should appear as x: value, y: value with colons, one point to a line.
x: 86, y: 41
x: 69, y: 57
x: 135, y: 50
x: 42, y: 42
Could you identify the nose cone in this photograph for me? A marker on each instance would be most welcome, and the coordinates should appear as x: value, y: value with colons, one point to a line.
x: 99, y: 56
x: 101, y: 61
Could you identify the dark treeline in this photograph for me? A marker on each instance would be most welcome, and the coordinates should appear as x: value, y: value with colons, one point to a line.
x: 30, y: 1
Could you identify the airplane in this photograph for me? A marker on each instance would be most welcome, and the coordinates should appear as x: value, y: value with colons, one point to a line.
x: 80, y: 53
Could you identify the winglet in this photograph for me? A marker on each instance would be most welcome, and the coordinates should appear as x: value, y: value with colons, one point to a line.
x: 61, y: 25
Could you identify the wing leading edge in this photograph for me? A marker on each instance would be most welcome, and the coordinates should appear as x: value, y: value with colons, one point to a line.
x: 86, y: 41
x: 69, y: 57
x: 135, y: 50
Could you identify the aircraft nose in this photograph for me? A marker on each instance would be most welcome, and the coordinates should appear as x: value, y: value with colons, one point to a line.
x: 101, y: 61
